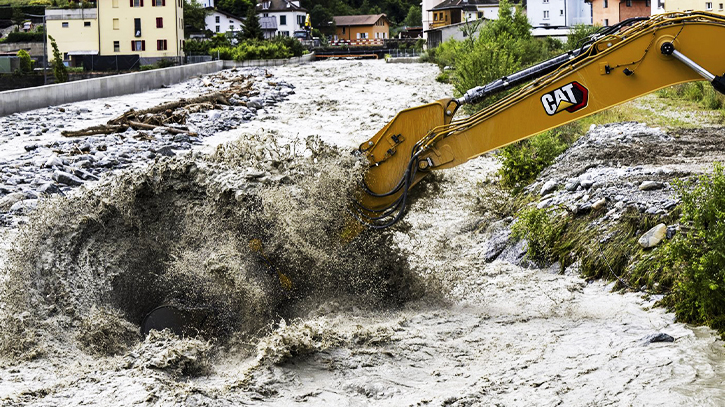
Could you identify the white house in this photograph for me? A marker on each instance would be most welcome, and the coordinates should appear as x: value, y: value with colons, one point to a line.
x: 558, y: 13
x: 221, y: 22
x: 289, y: 16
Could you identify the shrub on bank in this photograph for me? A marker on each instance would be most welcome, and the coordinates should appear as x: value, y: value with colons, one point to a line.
x: 522, y: 162
x: 279, y: 47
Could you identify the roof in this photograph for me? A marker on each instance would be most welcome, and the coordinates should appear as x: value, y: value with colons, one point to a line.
x: 222, y: 12
x: 268, y: 23
x: 369, y: 19
x: 455, y: 4
x: 279, y: 5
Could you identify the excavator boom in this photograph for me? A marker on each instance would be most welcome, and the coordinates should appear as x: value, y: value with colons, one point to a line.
x: 621, y: 63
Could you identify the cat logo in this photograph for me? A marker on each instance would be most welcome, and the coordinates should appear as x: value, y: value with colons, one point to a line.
x: 571, y: 98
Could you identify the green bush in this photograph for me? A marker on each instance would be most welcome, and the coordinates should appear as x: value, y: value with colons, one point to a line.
x: 257, y: 49
x: 26, y: 64
x: 522, y: 162
x: 700, y: 92
x: 579, y: 34
x: 25, y: 37
x: 697, y: 253
x: 542, y: 232
x: 226, y: 53
x: 290, y: 43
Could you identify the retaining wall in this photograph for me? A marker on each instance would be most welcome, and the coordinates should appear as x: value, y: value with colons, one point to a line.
x: 14, y: 101
x: 21, y: 100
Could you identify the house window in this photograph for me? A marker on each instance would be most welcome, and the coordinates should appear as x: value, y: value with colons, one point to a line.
x: 606, y: 22
x: 115, y: 24
x: 435, y: 16
x: 629, y: 3
x: 64, y: 24
x: 160, y: 45
x: 301, y: 20
x: 231, y: 27
x: 216, y: 19
x: 138, y: 45
x: 343, y: 30
x: 546, y: 1
x: 480, y: 14
x: 720, y: 7
x: 546, y: 14
x: 362, y: 36
x: 283, y: 33
x: 708, y: 6
x: 158, y: 3
x: 137, y: 27
x: 282, y: 20
x: 136, y: 3
x: 606, y: 3
x: 647, y: 3
x: 86, y: 24
x: 561, y: 12
x: 116, y: 46
x: 114, y: 3
x: 159, y: 22
x: 217, y: 28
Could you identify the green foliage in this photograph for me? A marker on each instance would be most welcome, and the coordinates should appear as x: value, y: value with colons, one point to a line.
x: 321, y: 16
x: 276, y: 48
x: 697, y: 254
x: 59, y: 70
x: 700, y: 92
x: 579, y: 34
x: 522, y: 162
x: 25, y: 37
x: 252, y: 29
x: 26, y: 64
x: 414, y: 17
x: 539, y: 228
x: 18, y: 15
x: 194, y: 15
x: 235, y: 7
x: 396, y: 10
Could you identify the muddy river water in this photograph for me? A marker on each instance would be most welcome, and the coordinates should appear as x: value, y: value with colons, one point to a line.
x: 491, y: 334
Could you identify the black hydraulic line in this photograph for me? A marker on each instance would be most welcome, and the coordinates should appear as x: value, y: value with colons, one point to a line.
x: 479, y: 93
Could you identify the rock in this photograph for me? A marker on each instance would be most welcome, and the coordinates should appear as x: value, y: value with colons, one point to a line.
x: 9, y: 200
x: 85, y: 175
x: 650, y: 185
x: 255, y: 102
x: 24, y: 206
x: 53, y: 161
x: 586, y: 183
x: 658, y: 337
x: 166, y: 151
x: 599, y: 204
x: 182, y: 138
x: 30, y: 147
x: 549, y: 187
x: 672, y: 231
x: 572, y: 185
x: 67, y: 179
x: 496, y: 244
x: 49, y: 188
x: 583, y: 209
x: 653, y: 237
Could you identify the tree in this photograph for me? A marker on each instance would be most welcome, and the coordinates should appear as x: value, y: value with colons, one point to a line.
x: 252, y: 29
x: 235, y: 7
x: 18, y: 16
x: 321, y: 17
x: 26, y: 64
x: 414, y: 17
x: 194, y: 16
x: 59, y: 70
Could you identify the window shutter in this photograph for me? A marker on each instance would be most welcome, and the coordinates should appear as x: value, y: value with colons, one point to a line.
x: 132, y: 46
x: 143, y: 45
x: 153, y: 3
x: 131, y: 3
x: 141, y: 3
x: 163, y: 3
x: 165, y: 45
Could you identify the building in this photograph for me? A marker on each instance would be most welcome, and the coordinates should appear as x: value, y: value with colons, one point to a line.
x: 451, y: 12
x: 456, y: 19
x: 610, y: 12
x: 712, y: 6
x: 289, y: 16
x: 375, y: 27
x: 558, y: 13
x: 269, y: 26
x: 151, y: 29
x: 218, y: 21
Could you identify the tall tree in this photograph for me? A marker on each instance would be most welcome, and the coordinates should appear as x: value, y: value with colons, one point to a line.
x: 252, y: 29
x: 18, y: 16
x: 414, y: 17
x: 236, y: 7
x: 59, y: 70
x: 194, y: 16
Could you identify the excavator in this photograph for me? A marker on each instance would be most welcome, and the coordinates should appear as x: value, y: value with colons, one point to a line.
x: 617, y: 64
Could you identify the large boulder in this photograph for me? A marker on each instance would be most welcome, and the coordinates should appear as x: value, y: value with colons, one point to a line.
x: 653, y: 237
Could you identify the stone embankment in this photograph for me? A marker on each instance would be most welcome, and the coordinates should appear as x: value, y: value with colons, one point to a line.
x: 57, y: 165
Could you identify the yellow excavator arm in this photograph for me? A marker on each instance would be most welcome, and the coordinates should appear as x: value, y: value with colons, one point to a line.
x: 623, y: 62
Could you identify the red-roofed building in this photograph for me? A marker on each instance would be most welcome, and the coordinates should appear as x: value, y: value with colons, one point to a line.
x: 375, y: 27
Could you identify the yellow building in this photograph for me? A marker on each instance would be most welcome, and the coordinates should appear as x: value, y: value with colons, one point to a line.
x: 151, y: 29
x: 75, y: 31
x: 712, y: 6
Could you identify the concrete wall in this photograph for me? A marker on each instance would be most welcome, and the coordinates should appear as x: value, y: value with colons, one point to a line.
x: 21, y: 100
x: 14, y: 101
x: 35, y: 49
